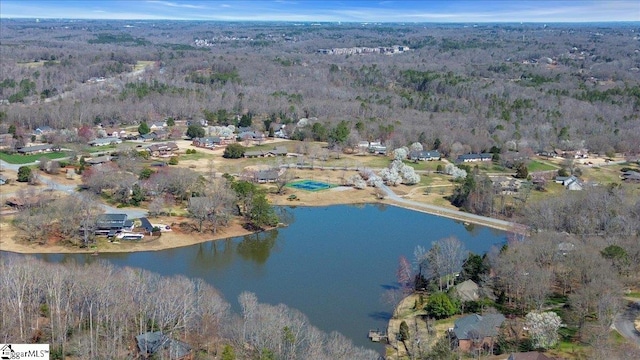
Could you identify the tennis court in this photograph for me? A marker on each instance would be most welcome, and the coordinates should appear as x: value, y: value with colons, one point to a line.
x: 310, y: 185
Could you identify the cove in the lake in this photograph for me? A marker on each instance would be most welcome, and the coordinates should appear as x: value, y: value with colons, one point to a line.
x: 332, y: 263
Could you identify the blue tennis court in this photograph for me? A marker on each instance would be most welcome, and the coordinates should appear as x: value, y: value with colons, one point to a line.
x: 310, y: 185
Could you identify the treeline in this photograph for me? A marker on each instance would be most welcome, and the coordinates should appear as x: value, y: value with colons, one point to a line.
x: 556, y: 87
x: 95, y: 311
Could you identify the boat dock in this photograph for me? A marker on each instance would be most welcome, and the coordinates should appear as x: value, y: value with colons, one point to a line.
x: 377, y: 336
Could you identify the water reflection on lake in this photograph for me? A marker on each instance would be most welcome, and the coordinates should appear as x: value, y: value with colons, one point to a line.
x: 332, y: 263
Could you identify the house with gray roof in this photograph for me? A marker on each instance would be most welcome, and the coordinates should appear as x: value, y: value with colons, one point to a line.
x: 35, y: 149
x: 477, y: 331
x: 105, y: 141
x: 424, y: 155
x: 152, y: 345
x: 112, y: 224
x: 276, y: 151
x: 467, y: 291
x: 474, y: 157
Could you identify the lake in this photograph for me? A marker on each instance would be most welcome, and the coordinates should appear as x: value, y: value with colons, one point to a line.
x: 332, y: 263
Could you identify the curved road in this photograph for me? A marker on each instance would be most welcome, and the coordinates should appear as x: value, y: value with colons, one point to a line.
x: 624, y: 322
x: 446, y: 212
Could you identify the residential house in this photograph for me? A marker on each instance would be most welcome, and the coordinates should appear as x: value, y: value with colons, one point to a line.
x: 147, y: 137
x: 112, y: 224
x: 3, y: 180
x: 505, y: 185
x: 276, y: 151
x: 105, y: 141
x: 158, y: 125
x: 266, y: 176
x: 152, y: 345
x: 375, y: 147
x: 424, y: 155
x: 570, y: 182
x: 23, y: 202
x: 160, y: 134
x: 477, y: 331
x: 631, y: 176
x: 279, y: 131
x: 116, y: 133
x: 206, y: 142
x: 475, y: 157
x: 251, y: 135
x: 35, y: 149
x: 99, y: 160
x: 467, y: 291
x: 530, y: 355
x: 363, y: 146
x: 146, y: 225
x: 43, y: 130
x: 163, y: 149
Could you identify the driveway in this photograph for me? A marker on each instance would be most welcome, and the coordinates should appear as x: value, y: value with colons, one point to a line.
x: 624, y: 322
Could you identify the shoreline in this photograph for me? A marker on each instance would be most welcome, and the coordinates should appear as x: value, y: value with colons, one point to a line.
x: 177, y: 239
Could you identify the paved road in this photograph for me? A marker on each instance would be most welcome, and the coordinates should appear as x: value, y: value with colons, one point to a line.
x: 624, y: 322
x: 446, y: 212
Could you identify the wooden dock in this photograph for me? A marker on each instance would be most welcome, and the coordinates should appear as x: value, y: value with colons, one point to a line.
x: 377, y: 336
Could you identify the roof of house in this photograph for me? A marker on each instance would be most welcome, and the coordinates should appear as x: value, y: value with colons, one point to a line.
x: 631, y: 175
x: 105, y: 140
x: 424, y: 154
x: 146, y: 224
x: 267, y: 175
x: 99, y: 160
x: 113, y: 220
x: 169, y: 146
x: 152, y: 342
x: 530, y: 355
x: 27, y: 149
x: 468, y: 290
x: 475, y: 156
x: 475, y: 325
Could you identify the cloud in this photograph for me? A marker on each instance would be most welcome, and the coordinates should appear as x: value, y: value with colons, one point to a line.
x: 177, y: 5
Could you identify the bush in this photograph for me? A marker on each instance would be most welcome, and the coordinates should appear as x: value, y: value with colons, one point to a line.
x: 173, y: 160
x: 440, y: 306
x: 234, y: 151
x: 24, y: 174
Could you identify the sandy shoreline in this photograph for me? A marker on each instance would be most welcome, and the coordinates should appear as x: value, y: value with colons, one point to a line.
x: 175, y: 239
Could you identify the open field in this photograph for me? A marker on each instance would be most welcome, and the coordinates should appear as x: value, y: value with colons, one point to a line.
x: 141, y: 64
x: 26, y: 159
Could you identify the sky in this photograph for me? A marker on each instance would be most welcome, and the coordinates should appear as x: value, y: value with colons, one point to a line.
x: 435, y: 11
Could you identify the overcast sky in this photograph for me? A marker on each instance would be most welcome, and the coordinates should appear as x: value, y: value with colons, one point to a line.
x: 331, y: 10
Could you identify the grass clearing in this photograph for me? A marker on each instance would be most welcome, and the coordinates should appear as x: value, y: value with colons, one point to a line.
x: 141, y: 64
x: 538, y: 165
x: 26, y: 159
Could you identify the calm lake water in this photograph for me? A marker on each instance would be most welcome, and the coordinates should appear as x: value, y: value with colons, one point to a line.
x: 332, y: 263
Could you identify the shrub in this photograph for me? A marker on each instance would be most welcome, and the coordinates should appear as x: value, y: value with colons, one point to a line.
x: 173, y: 160
x: 234, y: 151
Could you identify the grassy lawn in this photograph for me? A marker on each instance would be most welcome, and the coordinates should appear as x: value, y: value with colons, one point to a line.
x: 197, y: 156
x: 538, y: 165
x: 424, y: 165
x: 602, y: 175
x: 141, y: 65
x: 25, y: 159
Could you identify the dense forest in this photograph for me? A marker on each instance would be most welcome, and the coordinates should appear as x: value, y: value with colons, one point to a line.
x: 515, y: 87
x: 95, y: 311
x: 504, y: 89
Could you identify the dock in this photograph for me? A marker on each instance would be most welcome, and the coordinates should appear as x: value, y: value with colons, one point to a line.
x: 377, y: 336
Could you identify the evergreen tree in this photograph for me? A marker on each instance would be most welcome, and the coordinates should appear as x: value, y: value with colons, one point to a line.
x: 143, y: 128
